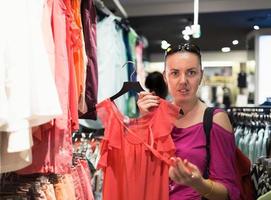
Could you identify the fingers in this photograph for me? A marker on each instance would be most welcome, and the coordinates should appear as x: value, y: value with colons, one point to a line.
x: 174, y: 175
x: 147, y: 100
x: 182, y: 168
x: 195, y: 172
x: 190, y: 166
x: 184, y: 172
x: 178, y: 172
x: 147, y: 95
x: 143, y: 93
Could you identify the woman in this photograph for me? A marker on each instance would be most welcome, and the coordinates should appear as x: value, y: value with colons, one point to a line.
x: 183, y: 74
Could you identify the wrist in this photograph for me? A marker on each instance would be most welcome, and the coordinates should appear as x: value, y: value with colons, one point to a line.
x: 211, y: 189
x: 205, y: 187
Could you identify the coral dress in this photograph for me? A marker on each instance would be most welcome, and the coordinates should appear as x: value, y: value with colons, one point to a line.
x: 135, y: 152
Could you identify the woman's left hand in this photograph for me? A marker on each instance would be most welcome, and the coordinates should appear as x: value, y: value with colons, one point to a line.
x: 185, y: 173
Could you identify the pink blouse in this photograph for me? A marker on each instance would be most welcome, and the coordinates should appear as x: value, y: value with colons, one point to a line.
x: 190, y: 144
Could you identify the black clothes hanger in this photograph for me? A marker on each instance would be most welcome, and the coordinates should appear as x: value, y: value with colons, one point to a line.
x: 128, y: 86
x: 101, y: 10
x: 123, y: 23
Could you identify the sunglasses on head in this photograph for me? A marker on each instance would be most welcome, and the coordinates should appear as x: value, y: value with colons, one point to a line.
x: 182, y: 48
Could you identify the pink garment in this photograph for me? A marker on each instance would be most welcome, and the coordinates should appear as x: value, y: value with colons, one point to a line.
x: 73, y: 96
x: 190, y: 144
x: 79, y: 195
x: 85, y: 180
x: 58, y: 22
x: 52, y: 150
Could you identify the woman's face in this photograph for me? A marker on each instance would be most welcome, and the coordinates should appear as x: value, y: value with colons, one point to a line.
x: 183, y: 75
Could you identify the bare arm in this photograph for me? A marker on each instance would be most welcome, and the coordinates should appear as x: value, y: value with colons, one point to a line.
x: 223, y: 120
x: 184, y: 172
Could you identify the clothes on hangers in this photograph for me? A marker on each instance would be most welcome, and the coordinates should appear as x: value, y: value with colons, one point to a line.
x: 111, y: 57
x: 89, y: 22
x: 28, y: 93
x: 252, y: 134
x: 36, y: 186
x: 86, y: 152
x: 261, y: 176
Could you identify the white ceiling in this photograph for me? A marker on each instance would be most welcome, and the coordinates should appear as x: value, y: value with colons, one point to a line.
x: 221, y: 20
x: 166, y: 7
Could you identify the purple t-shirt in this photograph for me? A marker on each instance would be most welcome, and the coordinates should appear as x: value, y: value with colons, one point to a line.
x: 190, y: 144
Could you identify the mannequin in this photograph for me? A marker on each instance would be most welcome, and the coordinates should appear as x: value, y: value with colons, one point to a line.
x: 242, y: 78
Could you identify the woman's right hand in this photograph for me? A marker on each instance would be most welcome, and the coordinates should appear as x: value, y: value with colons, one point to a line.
x: 146, y: 101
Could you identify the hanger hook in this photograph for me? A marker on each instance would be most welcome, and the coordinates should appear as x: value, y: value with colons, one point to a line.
x: 131, y: 62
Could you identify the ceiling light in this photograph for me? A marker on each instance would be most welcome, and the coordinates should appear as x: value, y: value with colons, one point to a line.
x: 187, y: 31
x: 235, y: 42
x: 196, y: 30
x: 225, y: 49
x: 256, y: 27
x: 186, y: 37
x: 164, y: 44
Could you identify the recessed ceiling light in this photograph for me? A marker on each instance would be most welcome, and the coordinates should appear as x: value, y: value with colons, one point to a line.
x: 225, y: 49
x: 256, y: 27
x: 164, y: 44
x: 235, y: 42
x: 186, y: 37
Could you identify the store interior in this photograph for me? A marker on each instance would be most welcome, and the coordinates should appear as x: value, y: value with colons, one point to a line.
x: 90, y: 53
x: 222, y: 24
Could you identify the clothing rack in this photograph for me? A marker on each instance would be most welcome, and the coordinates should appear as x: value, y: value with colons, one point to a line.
x: 121, y: 9
x: 252, y: 130
x: 257, y: 109
x: 261, y: 176
x: 256, y: 117
x: 86, y: 148
x: 100, y: 5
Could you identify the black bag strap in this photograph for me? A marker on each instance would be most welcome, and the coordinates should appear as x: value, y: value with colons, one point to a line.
x: 207, y: 125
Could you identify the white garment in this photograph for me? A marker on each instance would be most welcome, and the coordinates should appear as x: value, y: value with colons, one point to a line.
x: 28, y: 95
x: 265, y: 138
x: 259, y: 144
x: 111, y: 55
x: 10, y: 160
x: 251, y: 147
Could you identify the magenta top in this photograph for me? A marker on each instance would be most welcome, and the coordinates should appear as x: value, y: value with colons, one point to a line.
x: 190, y: 144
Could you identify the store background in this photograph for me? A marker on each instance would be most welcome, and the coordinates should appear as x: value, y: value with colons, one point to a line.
x: 44, y: 153
x: 222, y: 21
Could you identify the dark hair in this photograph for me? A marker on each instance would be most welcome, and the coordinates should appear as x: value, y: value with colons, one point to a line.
x: 155, y: 83
x: 189, y: 47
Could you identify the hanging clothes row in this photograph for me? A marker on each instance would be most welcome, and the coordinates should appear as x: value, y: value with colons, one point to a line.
x: 76, y: 185
x: 261, y: 176
x: 81, y: 183
x: 68, y: 44
x: 49, y: 78
x: 252, y: 130
x: 117, y: 43
x: 28, y: 93
x: 86, y: 150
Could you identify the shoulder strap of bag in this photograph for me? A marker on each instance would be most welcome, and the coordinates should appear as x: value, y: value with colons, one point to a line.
x: 207, y: 125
